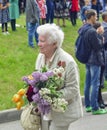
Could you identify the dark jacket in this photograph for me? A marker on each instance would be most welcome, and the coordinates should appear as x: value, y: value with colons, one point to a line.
x: 96, y: 7
x: 94, y: 43
x: 50, y: 3
x: 97, y: 57
x: 32, y: 11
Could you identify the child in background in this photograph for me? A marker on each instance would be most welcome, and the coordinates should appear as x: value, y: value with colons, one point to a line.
x: 4, y: 15
x: 100, y: 30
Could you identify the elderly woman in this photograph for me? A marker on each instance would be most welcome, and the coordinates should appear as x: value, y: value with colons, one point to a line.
x: 51, y: 53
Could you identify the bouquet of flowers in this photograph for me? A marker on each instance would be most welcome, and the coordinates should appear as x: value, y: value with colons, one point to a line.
x: 42, y: 90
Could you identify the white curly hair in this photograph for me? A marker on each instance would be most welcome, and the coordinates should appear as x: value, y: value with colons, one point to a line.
x: 53, y: 33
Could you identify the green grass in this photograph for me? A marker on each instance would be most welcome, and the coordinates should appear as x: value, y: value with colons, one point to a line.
x: 17, y: 59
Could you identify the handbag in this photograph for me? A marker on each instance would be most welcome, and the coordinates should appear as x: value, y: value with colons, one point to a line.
x: 30, y: 119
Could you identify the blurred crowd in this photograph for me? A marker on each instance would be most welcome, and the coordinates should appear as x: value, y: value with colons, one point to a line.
x: 50, y: 9
x: 45, y: 11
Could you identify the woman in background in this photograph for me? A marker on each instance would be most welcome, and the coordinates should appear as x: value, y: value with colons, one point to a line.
x: 73, y: 11
x: 60, y: 12
x: 14, y: 13
x: 42, y: 7
x: 4, y: 15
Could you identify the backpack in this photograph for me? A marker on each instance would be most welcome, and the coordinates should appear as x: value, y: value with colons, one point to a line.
x: 82, y: 46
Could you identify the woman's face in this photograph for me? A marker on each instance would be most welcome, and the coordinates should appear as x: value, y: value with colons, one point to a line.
x: 46, y: 48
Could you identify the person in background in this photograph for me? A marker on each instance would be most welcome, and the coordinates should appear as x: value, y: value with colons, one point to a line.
x: 50, y: 41
x: 60, y: 13
x: 50, y: 11
x: 100, y: 30
x: 73, y: 11
x: 104, y: 24
x: 84, y: 10
x: 22, y: 4
x: 104, y: 5
x: 42, y: 8
x: 14, y: 13
x: 81, y: 3
x: 32, y: 20
x: 4, y: 15
x: 93, y: 66
x: 95, y: 6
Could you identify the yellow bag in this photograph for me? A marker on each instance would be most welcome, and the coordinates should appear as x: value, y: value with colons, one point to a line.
x: 30, y: 120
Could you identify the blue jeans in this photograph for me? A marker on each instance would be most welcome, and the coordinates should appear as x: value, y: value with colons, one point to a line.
x: 32, y: 33
x: 92, y: 86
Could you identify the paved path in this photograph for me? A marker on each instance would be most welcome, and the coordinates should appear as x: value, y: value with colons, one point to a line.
x: 88, y: 122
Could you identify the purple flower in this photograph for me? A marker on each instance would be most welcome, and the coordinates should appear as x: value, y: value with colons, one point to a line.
x: 43, y: 77
x: 49, y: 73
x: 35, y: 89
x: 25, y: 78
x: 29, y: 80
x: 30, y: 93
x: 32, y: 79
x: 36, y: 98
x: 44, y: 107
x: 36, y: 76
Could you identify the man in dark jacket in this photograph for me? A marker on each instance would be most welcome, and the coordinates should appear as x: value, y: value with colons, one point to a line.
x: 93, y: 67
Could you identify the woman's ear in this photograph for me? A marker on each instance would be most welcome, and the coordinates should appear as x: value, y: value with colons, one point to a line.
x: 55, y: 45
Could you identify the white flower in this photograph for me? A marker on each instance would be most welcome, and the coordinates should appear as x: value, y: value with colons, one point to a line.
x: 59, y: 104
x: 58, y: 71
x: 55, y: 71
x: 44, y: 91
x: 61, y: 69
x: 47, y: 98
